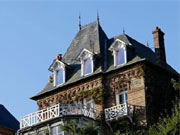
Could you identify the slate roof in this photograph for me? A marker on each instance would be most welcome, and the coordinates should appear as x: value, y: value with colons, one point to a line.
x: 89, y: 38
x: 93, y: 38
x: 7, y: 120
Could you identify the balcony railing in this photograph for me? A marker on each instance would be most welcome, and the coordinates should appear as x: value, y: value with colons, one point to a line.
x: 118, y: 111
x: 55, y: 111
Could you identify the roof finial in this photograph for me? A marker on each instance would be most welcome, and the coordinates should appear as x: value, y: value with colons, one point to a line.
x: 79, y: 21
x: 123, y: 30
x: 97, y: 16
x: 147, y: 44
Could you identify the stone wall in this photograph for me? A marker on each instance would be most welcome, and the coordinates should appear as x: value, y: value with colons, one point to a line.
x: 71, y: 94
x: 147, y: 87
x: 131, y: 80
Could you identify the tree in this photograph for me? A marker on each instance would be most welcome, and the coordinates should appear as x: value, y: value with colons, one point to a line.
x: 169, y: 125
x: 72, y: 128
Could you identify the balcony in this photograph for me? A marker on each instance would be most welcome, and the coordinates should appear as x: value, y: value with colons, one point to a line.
x: 55, y: 111
x: 118, y: 111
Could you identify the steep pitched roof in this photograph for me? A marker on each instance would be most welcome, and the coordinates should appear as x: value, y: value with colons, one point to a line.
x: 93, y: 38
x: 7, y: 120
x: 142, y: 52
x: 89, y: 37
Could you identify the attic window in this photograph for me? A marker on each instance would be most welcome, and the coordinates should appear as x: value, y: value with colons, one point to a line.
x: 58, y: 69
x: 119, y: 52
x: 87, y: 64
x: 120, y: 56
x: 59, y: 76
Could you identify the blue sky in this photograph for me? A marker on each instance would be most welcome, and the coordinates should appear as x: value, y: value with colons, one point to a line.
x: 32, y: 33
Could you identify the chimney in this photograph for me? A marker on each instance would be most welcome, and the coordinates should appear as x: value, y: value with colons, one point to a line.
x: 59, y: 57
x: 158, y: 36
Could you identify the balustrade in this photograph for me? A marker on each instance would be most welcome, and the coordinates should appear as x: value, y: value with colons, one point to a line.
x: 58, y: 110
x: 118, y: 111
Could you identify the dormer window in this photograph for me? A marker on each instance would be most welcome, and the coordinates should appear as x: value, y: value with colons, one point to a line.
x: 120, y: 56
x: 119, y: 52
x: 59, y: 76
x: 58, y: 69
x: 87, y: 64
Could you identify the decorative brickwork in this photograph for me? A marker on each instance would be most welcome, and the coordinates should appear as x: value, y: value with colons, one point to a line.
x: 69, y: 95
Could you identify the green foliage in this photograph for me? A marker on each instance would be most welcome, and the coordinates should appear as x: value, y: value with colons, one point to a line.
x: 176, y: 84
x: 169, y: 125
x: 97, y: 94
x: 72, y: 128
x: 90, y: 129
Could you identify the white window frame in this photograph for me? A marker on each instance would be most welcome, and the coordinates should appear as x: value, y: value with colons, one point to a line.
x: 116, y: 46
x: 84, y: 55
x: 82, y: 66
x: 59, y: 66
x: 115, y: 56
x: 117, y: 94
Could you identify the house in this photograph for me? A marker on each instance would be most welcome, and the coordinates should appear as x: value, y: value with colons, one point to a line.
x: 117, y: 76
x: 8, y: 124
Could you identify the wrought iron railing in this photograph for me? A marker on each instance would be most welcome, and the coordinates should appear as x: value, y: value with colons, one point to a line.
x: 58, y: 110
x: 118, y: 111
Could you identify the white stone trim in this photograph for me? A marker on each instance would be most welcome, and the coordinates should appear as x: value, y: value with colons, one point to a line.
x: 125, y: 56
x: 84, y: 55
x: 55, y: 69
x: 118, y: 94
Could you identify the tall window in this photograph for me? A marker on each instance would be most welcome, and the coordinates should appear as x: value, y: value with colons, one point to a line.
x: 122, y: 97
x: 90, y: 104
x: 87, y: 66
x: 120, y: 57
x: 57, y: 130
x: 59, y: 77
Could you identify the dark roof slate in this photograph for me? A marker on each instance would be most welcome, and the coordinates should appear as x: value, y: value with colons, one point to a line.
x: 88, y: 38
x: 92, y: 38
x: 7, y: 120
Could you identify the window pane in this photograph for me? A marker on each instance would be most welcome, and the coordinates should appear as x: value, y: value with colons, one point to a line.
x: 121, y: 99
x: 120, y: 57
x: 89, y: 104
x: 60, y: 76
x: 53, y: 131
x: 87, y: 66
x: 126, y: 97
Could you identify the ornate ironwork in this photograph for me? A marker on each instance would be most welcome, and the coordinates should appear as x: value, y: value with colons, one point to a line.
x: 118, y: 111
